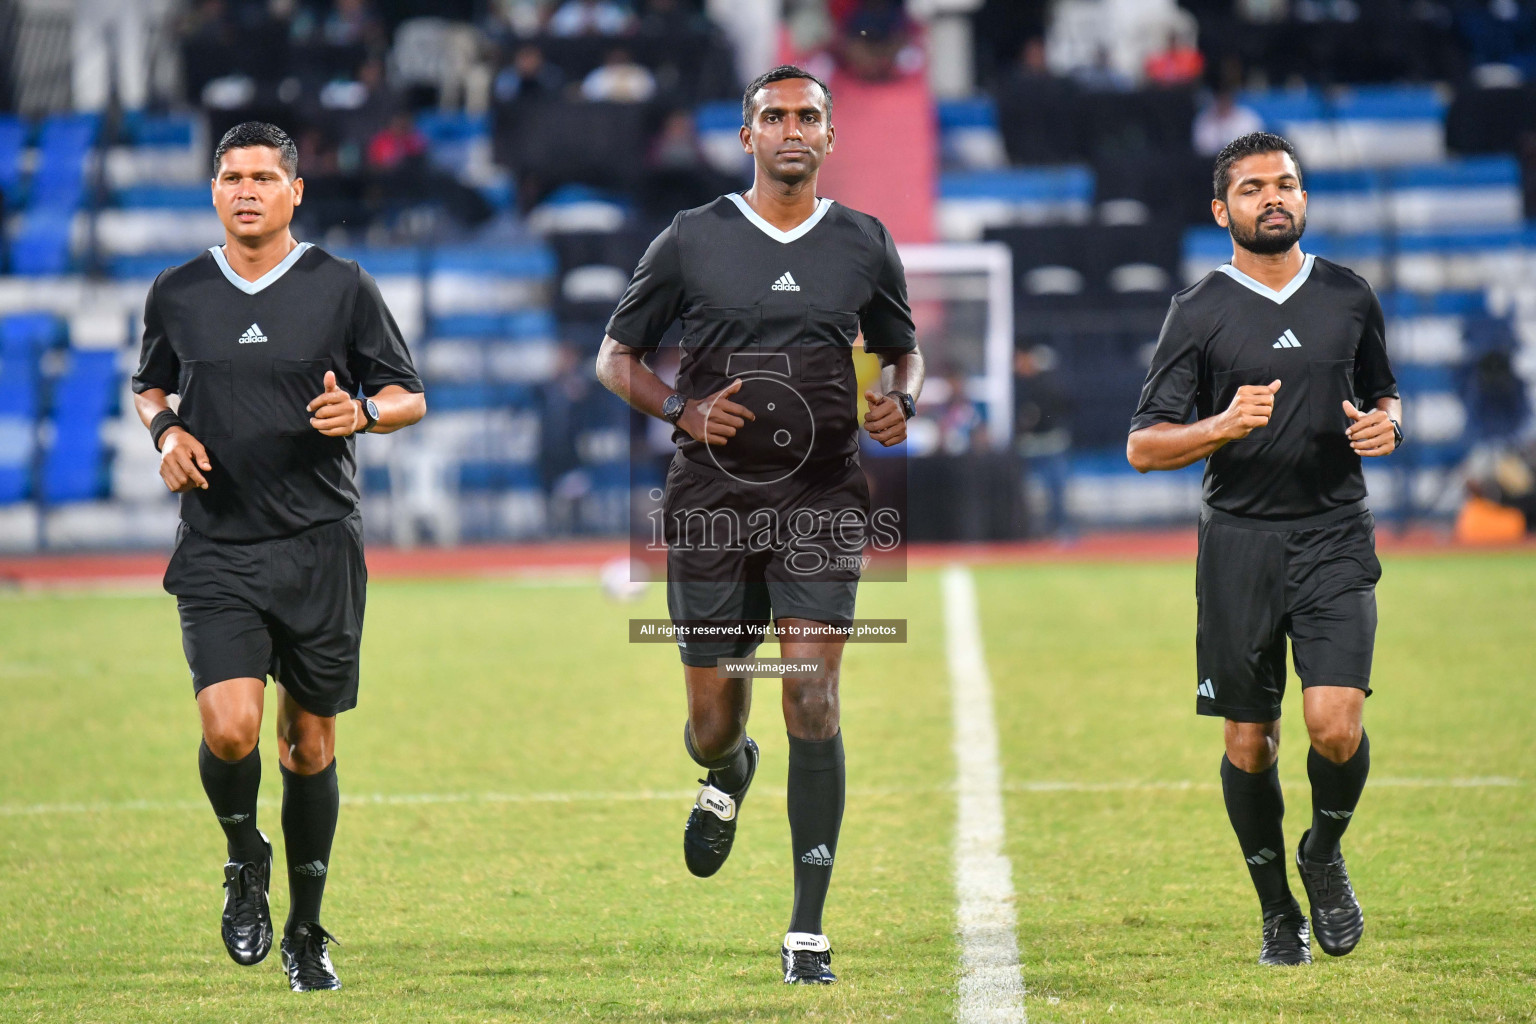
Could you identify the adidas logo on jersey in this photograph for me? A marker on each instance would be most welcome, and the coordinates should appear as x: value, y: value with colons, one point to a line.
x: 252, y: 336
x: 786, y: 283
x: 821, y: 857
x: 1287, y: 340
x: 1206, y: 690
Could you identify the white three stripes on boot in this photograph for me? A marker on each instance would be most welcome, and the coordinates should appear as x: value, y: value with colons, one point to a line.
x: 991, y: 985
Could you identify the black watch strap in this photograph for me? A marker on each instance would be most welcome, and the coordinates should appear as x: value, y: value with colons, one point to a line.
x: 672, y: 408
x: 1397, y: 433
x: 908, y: 406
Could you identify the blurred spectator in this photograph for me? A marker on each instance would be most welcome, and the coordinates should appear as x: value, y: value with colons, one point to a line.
x: 619, y: 80
x: 960, y: 424
x: 878, y: 41
x: 528, y: 77
x: 110, y: 37
x: 1034, y: 110
x: 677, y: 174
x: 1178, y: 64
x: 353, y: 23
x: 672, y: 18
x: 1222, y: 120
x: 396, y: 143
x: 590, y: 18
x: 1100, y: 74
x: 358, y: 109
x: 1042, y: 431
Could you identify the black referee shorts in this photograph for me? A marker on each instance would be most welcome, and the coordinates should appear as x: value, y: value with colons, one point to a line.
x: 290, y: 608
x: 740, y: 555
x: 1257, y: 583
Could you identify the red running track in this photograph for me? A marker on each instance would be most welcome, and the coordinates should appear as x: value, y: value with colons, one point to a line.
x: 581, y: 557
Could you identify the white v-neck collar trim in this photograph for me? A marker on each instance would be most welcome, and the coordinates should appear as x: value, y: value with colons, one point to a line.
x: 1277, y: 297
x: 265, y: 280
x: 798, y: 231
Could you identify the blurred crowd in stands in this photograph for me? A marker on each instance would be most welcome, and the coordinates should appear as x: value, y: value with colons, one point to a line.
x: 1078, y: 133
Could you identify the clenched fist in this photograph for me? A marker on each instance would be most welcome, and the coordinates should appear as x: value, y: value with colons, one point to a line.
x: 336, y: 413
x: 1251, y: 409
x: 183, y: 461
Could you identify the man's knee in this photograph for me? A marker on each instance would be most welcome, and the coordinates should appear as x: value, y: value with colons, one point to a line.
x: 811, y: 707
x: 1253, y: 746
x: 1337, y: 740
x: 232, y: 736
x: 714, y: 737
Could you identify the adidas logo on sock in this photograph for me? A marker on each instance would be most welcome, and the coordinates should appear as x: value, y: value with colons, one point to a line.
x: 252, y: 335
x: 821, y: 857
x: 1287, y: 340
x: 314, y: 869
x: 1206, y: 690
x: 233, y: 819
x: 1261, y: 858
x: 786, y: 283
x: 1336, y: 815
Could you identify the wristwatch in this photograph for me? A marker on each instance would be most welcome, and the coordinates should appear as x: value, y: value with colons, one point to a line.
x: 370, y: 413
x: 672, y: 408
x: 908, y: 407
x: 1397, y: 433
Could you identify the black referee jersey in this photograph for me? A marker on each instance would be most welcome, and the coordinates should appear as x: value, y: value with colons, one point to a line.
x: 246, y: 357
x: 780, y: 308
x: 1321, y: 336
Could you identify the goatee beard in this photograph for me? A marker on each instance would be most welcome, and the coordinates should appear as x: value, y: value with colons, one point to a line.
x: 1262, y: 243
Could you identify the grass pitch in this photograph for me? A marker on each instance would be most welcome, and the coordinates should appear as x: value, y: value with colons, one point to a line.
x: 515, y: 788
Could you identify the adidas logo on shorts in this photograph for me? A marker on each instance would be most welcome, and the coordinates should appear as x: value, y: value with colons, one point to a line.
x: 786, y: 283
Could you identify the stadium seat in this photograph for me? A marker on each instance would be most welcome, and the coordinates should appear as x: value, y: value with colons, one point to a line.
x: 41, y: 246
x: 74, y: 468
x: 972, y: 201
x: 13, y: 137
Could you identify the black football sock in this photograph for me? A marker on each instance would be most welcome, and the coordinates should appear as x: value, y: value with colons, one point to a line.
x: 231, y: 787
x: 817, y: 783
x: 728, y: 773
x: 1256, y: 807
x: 1336, y: 790
x: 310, y: 806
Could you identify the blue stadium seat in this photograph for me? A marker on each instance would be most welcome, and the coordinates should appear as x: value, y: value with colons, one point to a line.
x: 718, y: 116
x: 143, y: 129
x: 41, y: 247
x: 13, y: 138
x: 500, y: 260
x: 971, y: 112
x: 164, y: 197
x: 382, y: 262
x: 527, y: 323
x: 64, y: 143
x: 1033, y: 184
x: 74, y: 468
x: 23, y: 337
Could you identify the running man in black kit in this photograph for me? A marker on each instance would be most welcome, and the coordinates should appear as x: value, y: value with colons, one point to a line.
x: 1283, y: 359
x: 773, y: 287
x: 268, y: 341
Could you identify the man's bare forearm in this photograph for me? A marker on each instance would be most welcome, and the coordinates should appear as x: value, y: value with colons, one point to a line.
x: 621, y: 370
x: 1174, y: 445
x: 398, y: 408
x: 904, y: 373
x: 149, y: 404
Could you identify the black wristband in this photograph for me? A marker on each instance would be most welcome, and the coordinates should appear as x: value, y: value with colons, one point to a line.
x: 164, y: 420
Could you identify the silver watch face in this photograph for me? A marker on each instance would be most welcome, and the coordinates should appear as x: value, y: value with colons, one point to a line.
x: 672, y: 408
x: 371, y: 409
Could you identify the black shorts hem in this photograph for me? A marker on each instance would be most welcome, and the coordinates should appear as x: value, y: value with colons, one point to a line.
x: 1214, y: 710
x: 322, y: 710
x: 200, y: 683
x: 818, y: 615
x: 694, y: 659
x: 1352, y: 682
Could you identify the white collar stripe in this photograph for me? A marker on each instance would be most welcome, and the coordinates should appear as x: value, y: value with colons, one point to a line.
x: 265, y: 280
x: 798, y: 231
x: 1272, y: 294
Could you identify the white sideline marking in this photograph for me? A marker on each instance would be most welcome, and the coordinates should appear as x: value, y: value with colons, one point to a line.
x: 991, y: 985
x: 641, y: 795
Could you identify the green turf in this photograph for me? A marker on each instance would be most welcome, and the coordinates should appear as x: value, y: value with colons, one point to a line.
x: 491, y: 897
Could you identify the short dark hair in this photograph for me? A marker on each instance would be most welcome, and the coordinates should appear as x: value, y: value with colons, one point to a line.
x: 1251, y: 144
x: 259, y: 133
x: 779, y: 74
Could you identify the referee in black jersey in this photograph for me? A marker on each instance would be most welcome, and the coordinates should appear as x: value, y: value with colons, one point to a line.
x: 268, y: 343
x: 766, y: 510
x: 1282, y: 357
